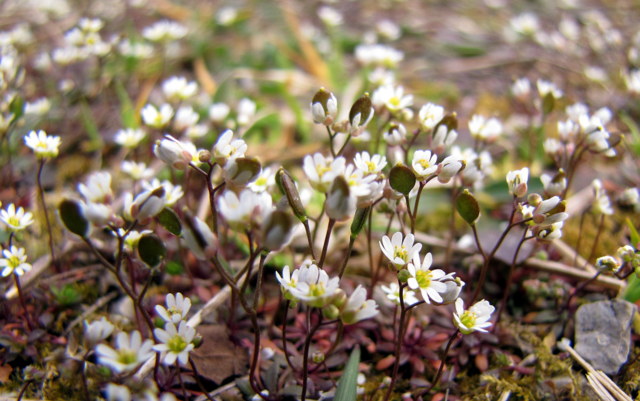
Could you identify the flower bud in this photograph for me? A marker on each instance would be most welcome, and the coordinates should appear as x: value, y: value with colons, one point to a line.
x: 171, y: 151
x: 242, y: 171
x: 358, y: 220
x: 289, y: 189
x: 204, y: 156
x: 404, y: 275
x: 534, y: 199
x: 360, y: 114
x: 607, y: 264
x: 198, y: 237
x: 454, y: 287
x: 147, y: 204
x: 277, y: 230
x: 330, y: 312
x: 324, y: 107
x: 317, y: 357
x: 340, y: 205
x: 339, y: 298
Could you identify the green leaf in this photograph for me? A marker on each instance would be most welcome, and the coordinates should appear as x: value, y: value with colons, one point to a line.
x: 73, y: 217
x: 402, y: 179
x: 632, y: 292
x: 151, y: 250
x: 170, y: 221
x: 348, y: 384
x: 127, y: 108
x: 635, y: 237
x: 468, y: 207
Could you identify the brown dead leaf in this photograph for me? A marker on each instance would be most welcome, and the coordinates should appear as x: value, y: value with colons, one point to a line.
x: 482, y: 363
x: 218, y: 358
x: 5, y: 372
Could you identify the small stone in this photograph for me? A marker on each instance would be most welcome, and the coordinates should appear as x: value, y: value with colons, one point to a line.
x: 603, y: 334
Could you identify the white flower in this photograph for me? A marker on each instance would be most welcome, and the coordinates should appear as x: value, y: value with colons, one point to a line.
x: 629, y: 197
x: 177, y: 308
x: 288, y: 280
x: 178, y: 88
x: 265, y: 180
x: 525, y: 24
x: 228, y: 149
x: 330, y: 16
x: 14, y: 260
x: 608, y: 264
x: 521, y: 88
x: 517, y: 182
x: 155, y: 118
x: 218, y: 112
x: 443, y: 138
x: 38, y: 107
x: 399, y: 250
x: 358, y: 307
x: 324, y: 107
x: 175, y: 343
x: 483, y: 129
x: 341, y: 199
x: 116, y: 392
x: 322, y: 171
x: 378, y: 55
x: 424, y: 163
x: 164, y: 31
x: 426, y: 280
x: 185, y: 118
x: 137, y: 171
x: 549, y: 233
x: 393, y: 294
x: 172, y: 193
x: 245, y: 210
x: 43, y: 145
x: 145, y: 205
x: 546, y: 87
x: 632, y: 80
x: 393, y: 98
x: 97, y: 188
x: 396, y: 134
x: 447, y: 168
x: 554, y: 185
x: 601, y: 203
x: 430, y: 115
x: 139, y: 50
x: 130, y: 352
x: 314, y: 287
x: 97, y: 213
x: 129, y: 137
x: 368, y: 164
x: 245, y: 112
x: 97, y: 330
x: 476, y: 318
x: 16, y: 220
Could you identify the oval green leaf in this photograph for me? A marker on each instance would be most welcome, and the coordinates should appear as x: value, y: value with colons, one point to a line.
x: 402, y: 179
x: 73, y: 217
x: 151, y: 250
x: 468, y: 207
x: 170, y: 221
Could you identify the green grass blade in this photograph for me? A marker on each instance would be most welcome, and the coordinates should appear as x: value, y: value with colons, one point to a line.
x: 348, y: 384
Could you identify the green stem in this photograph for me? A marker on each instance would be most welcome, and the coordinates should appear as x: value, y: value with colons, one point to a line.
x: 326, y: 242
x: 307, y: 230
x: 398, y: 345
x: 46, y: 213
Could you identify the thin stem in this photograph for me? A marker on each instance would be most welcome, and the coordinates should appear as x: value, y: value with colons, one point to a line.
x: 284, y: 334
x: 352, y: 240
x: 596, y: 239
x: 23, y: 390
x: 184, y: 391
x: 326, y: 242
x: 196, y: 376
x: 16, y: 279
x: 507, y: 286
x: 309, y: 238
x: 333, y: 152
x: 441, y: 367
x: 344, y: 145
x: 305, y: 355
x: 399, y: 340
x: 256, y: 295
x: 575, y: 259
x: 46, y: 213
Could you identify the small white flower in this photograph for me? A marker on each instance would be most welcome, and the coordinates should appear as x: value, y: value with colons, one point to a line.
x: 130, y: 137
x: 185, y: 118
x: 218, y: 112
x: 314, y: 287
x: 175, y: 343
x: 358, y: 307
x: 601, y: 203
x: 172, y: 193
x: 476, y: 318
x: 324, y: 107
x: 554, y: 185
x: 549, y: 233
x: 199, y: 238
x: 145, y: 205
x: 368, y: 164
x: 43, y: 145
x: 173, y: 152
x: 425, y: 280
x: 424, y: 163
x: 392, y: 98
x: 443, y: 138
x: 228, y: 149
x: 485, y: 129
x: 178, y: 88
x: 525, y: 24
x: 130, y: 352
x: 38, y: 107
x: 16, y: 220
x: 430, y: 115
x: 97, y: 188
x: 177, y: 308
x: 322, y: 171
x: 97, y: 330
x: 399, y: 250
x: 447, y: 168
x: 521, y: 88
x: 157, y: 118
x: 164, y: 31
x: 137, y: 171
x: 608, y: 264
x: 395, y: 135
x: 288, y: 280
x: 14, y: 261
x: 245, y: 111
x: 378, y: 55
x: 517, y: 182
x: 246, y: 210
x: 546, y: 87
x: 265, y: 180
x: 330, y: 16
x: 393, y: 294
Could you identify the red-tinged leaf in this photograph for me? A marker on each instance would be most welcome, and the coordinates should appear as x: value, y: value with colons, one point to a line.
x: 417, y: 363
x: 385, y: 363
x: 482, y: 363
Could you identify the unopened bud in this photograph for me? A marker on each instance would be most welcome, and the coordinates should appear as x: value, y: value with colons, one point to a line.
x: 197, y: 341
x: 289, y: 189
x: 404, y: 275
x: 324, y: 107
x: 204, y: 156
x: 198, y: 237
x: 171, y: 151
x: 330, y: 312
x: 534, y: 199
x: 242, y: 171
x: 360, y: 114
x: 277, y: 230
x: 358, y: 220
x: 317, y: 357
x: 340, y: 205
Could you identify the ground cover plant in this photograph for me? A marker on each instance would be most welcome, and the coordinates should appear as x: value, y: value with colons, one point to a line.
x: 389, y: 200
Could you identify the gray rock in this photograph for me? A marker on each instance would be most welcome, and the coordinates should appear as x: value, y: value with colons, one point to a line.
x: 603, y: 333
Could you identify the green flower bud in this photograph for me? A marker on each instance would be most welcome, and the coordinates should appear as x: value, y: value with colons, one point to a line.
x: 468, y: 207
x: 358, y: 220
x: 404, y: 275
x: 289, y: 189
x: 330, y: 312
x: 317, y: 357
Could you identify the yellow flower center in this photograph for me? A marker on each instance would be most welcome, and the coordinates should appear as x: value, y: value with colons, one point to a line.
x: 176, y: 344
x: 317, y: 290
x: 423, y: 277
x: 424, y: 163
x: 127, y: 357
x: 468, y: 319
x: 400, y: 252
